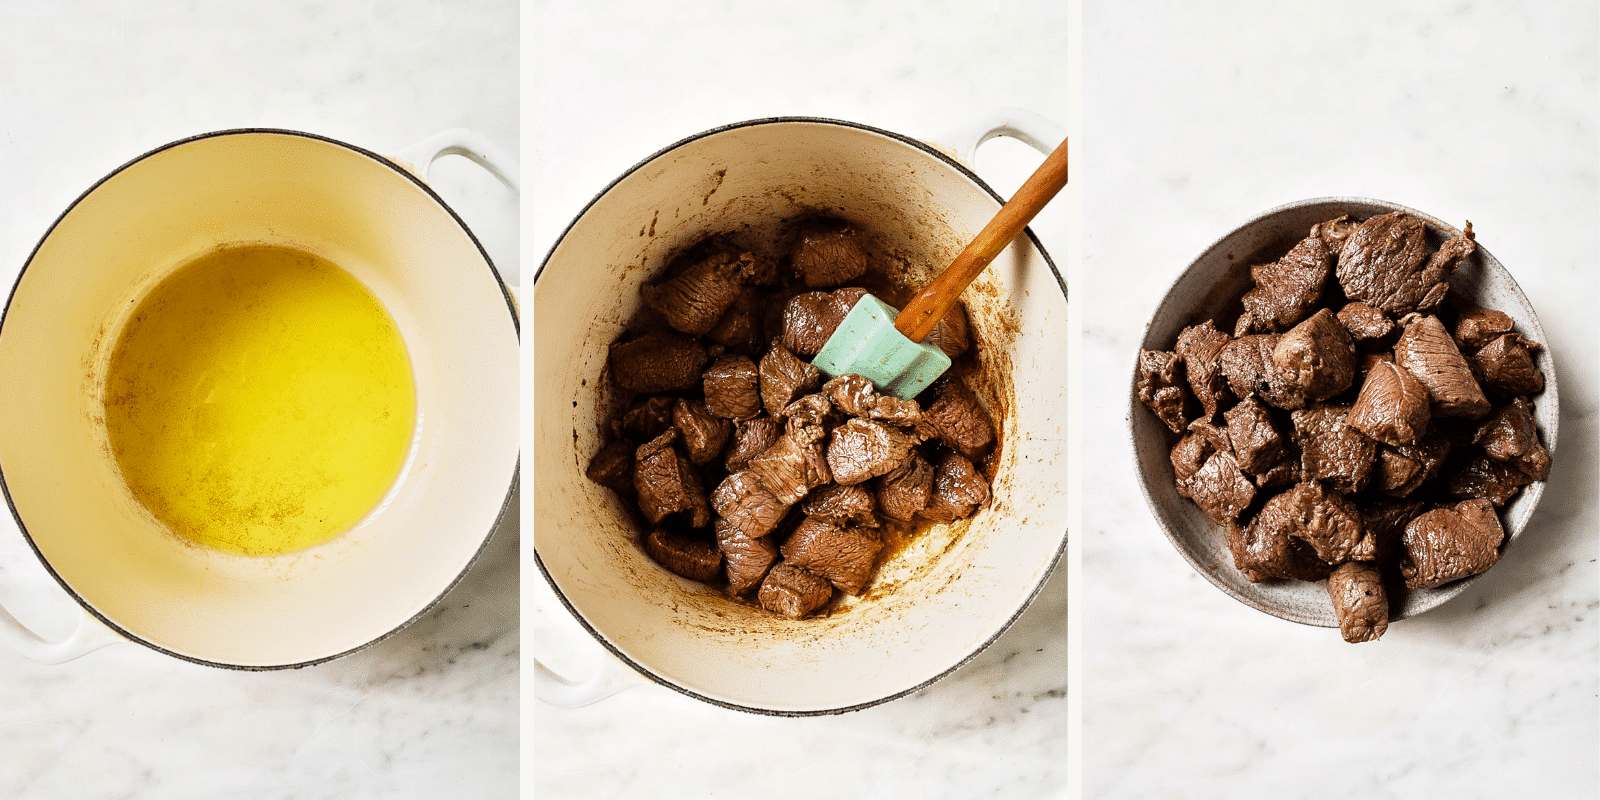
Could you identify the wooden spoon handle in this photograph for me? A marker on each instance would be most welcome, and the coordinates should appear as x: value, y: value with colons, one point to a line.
x: 936, y: 299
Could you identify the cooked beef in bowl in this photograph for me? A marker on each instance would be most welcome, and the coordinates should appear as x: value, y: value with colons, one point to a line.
x: 1343, y: 413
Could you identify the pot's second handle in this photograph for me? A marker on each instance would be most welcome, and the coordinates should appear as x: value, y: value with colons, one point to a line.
x: 1025, y: 126
x: 610, y: 677
x: 418, y: 158
x: 89, y: 636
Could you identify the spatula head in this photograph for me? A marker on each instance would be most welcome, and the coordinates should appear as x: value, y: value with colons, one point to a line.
x: 867, y: 344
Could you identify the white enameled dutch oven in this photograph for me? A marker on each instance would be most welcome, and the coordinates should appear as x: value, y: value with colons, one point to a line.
x: 959, y: 588
x: 371, y: 215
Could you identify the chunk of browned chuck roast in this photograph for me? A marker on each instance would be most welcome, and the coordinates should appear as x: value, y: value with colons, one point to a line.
x: 861, y: 449
x: 793, y: 465
x: 958, y: 489
x: 751, y: 438
x: 841, y: 505
x: 1508, y: 434
x: 957, y: 418
x: 953, y: 333
x: 793, y: 592
x: 828, y: 253
x: 1491, y: 480
x: 1188, y: 456
x: 1247, y: 361
x: 1255, y: 440
x: 809, y: 319
x: 703, y: 434
x: 659, y: 361
x: 843, y: 556
x: 1331, y: 450
x: 733, y: 388
x: 1426, y: 351
x: 784, y: 379
x: 1220, y: 488
x: 812, y: 409
x: 613, y: 466
x: 856, y: 396
x: 1506, y: 367
x: 1448, y: 544
x: 1367, y: 325
x: 695, y: 299
x: 741, y: 329
x: 1401, y: 470
x: 647, y: 419
x: 1334, y: 232
x: 1159, y: 384
x: 1330, y: 523
x: 1384, y: 263
x: 1356, y: 589
x: 668, y: 484
x: 1287, y: 289
x: 1476, y: 327
x: 743, y: 502
x: 1265, y: 550
x: 695, y: 559
x: 906, y: 489
x: 745, y: 558
x: 1317, y: 357
x: 1392, y: 407
x: 1199, y: 348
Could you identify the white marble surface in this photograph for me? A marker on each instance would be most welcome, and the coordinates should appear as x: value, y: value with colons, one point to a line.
x: 1196, y: 121
x: 612, y: 84
x: 431, y: 712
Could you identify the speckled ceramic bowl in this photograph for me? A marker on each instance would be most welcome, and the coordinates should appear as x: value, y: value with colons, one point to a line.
x: 1212, y: 285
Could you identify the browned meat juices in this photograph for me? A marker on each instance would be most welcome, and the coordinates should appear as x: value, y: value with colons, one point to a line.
x: 811, y: 484
x: 1358, y: 426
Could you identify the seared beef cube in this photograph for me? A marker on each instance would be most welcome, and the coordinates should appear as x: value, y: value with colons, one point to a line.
x: 1356, y: 589
x: 702, y: 433
x: 695, y: 559
x: 1255, y: 441
x: 809, y: 319
x: 1317, y: 357
x: 1367, y: 325
x: 843, y: 556
x: 648, y: 419
x: 794, y: 465
x: 1506, y: 367
x: 751, y: 438
x: 784, y: 379
x: 1330, y: 523
x: 1508, y: 434
x: 1286, y: 290
x: 1334, y: 232
x: 1476, y: 327
x: 1283, y: 472
x: 1160, y: 387
x: 1450, y: 255
x: 841, y: 505
x: 1247, y: 361
x: 1491, y: 480
x: 733, y: 388
x: 613, y: 466
x: 668, y: 484
x: 862, y: 449
x: 659, y: 361
x: 1426, y: 351
x: 906, y: 489
x: 741, y: 329
x: 1392, y: 407
x: 828, y: 253
x: 952, y: 334
x: 958, y: 490
x: 1401, y: 470
x: 696, y: 298
x: 957, y: 418
x: 856, y: 396
x: 1384, y: 263
x: 1330, y: 449
x: 1199, y: 348
x: 745, y: 558
x: 1188, y: 456
x: 1265, y: 550
x: 793, y: 592
x: 743, y: 502
x: 1220, y: 488
x: 1448, y: 544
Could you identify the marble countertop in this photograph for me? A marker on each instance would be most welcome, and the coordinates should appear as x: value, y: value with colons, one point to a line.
x: 431, y: 712
x: 612, y: 84
x: 1196, y: 121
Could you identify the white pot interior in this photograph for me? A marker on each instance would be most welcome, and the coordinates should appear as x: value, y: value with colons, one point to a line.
x: 122, y: 238
x: 932, y: 606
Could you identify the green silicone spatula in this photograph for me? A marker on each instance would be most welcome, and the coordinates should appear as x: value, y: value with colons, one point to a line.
x: 887, y: 348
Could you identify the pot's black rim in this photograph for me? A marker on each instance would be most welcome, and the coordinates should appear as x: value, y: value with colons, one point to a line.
x: 505, y: 503
x: 1044, y: 577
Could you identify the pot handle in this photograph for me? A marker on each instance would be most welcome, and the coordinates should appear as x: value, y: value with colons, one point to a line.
x: 1025, y: 126
x: 418, y: 158
x: 611, y: 677
x: 89, y: 636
